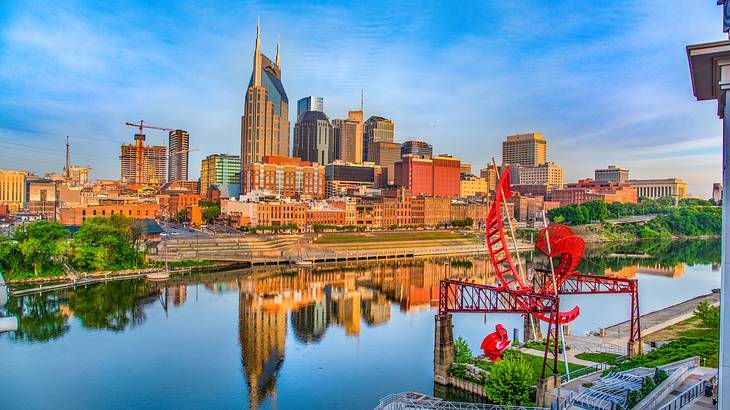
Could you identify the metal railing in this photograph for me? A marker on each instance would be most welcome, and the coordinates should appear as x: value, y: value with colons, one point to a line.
x: 583, y: 371
x: 687, y: 397
x: 413, y: 401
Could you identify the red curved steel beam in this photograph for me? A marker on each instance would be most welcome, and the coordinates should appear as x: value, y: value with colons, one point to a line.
x: 497, y: 243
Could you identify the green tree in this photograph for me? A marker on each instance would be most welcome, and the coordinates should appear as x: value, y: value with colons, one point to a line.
x: 462, y: 351
x: 181, y: 216
x: 709, y: 315
x: 510, y: 381
x: 106, y: 243
x: 212, y: 213
x: 11, y: 260
x: 42, y: 245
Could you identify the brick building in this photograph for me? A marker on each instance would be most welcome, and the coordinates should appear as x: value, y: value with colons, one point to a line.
x: 440, y: 176
x: 76, y: 215
x: 589, y: 190
x: 431, y: 211
x: 287, y: 176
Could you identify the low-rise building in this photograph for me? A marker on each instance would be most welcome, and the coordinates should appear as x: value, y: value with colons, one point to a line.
x: 13, y: 189
x: 343, y: 177
x: 77, y: 214
x: 430, y: 210
x: 473, y: 186
x: 397, y: 208
x: 287, y: 176
x: 659, y: 188
x: 477, y: 211
x: 547, y: 174
x: 589, y: 190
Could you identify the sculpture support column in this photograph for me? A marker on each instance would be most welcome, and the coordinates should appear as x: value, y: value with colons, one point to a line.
x: 443, y: 348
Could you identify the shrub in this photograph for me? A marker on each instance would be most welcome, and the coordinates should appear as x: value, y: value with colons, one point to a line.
x: 510, y: 381
x: 709, y: 315
x: 462, y: 352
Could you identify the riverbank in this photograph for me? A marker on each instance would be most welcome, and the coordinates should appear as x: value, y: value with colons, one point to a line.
x: 607, y: 232
x: 84, y: 277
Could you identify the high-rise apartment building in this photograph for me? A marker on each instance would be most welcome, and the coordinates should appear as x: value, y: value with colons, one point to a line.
x: 310, y: 103
x: 13, y: 189
x: 179, y: 146
x: 265, y: 120
x: 420, y: 148
x: 313, y: 138
x: 348, y: 138
x: 612, y: 174
x: 385, y: 154
x: 524, y: 149
x: 376, y: 129
x: 143, y: 164
x: 222, y: 170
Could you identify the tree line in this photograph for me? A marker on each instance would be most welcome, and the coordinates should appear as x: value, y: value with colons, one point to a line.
x: 693, y: 217
x: 42, y: 248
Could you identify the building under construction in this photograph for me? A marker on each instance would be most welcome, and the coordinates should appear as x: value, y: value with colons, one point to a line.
x: 143, y: 164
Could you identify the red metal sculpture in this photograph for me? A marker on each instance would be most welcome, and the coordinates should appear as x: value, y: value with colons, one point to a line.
x: 494, y: 344
x: 538, y: 296
x: 559, y: 239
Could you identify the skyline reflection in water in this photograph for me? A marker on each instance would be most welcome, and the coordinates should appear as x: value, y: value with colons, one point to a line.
x: 340, y: 335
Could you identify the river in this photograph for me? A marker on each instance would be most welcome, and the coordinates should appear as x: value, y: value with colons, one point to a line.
x: 337, y: 336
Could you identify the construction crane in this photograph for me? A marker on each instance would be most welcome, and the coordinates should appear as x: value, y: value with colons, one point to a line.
x: 142, y: 126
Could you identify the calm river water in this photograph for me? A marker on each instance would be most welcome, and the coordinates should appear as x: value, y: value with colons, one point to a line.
x: 329, y: 337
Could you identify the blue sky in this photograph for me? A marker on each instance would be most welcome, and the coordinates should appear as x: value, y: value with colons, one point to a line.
x: 606, y: 82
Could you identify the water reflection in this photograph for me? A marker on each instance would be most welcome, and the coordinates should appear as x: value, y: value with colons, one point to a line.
x: 310, y: 302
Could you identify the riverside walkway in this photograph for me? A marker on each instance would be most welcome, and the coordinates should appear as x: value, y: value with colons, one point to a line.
x: 662, y: 318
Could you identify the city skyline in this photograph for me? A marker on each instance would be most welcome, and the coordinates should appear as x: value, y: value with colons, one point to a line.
x: 624, y: 60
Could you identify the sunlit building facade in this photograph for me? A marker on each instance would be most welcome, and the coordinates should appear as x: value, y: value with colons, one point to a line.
x: 376, y: 129
x: 265, y: 120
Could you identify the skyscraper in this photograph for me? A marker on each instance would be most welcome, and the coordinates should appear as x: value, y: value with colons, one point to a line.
x: 524, y: 149
x: 265, y: 120
x: 348, y: 137
x: 179, y: 145
x: 222, y: 170
x: 420, y: 148
x: 313, y: 138
x: 310, y: 103
x: 143, y: 164
x: 376, y: 129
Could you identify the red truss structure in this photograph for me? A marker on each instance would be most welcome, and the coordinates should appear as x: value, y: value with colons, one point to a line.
x: 466, y: 297
x: 539, y: 296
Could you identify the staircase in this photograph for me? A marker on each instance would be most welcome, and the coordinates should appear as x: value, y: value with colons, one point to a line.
x: 233, y: 248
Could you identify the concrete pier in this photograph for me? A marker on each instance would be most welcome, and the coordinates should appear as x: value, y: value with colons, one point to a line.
x: 443, y: 349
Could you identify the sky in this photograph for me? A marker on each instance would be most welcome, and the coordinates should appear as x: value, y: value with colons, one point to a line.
x: 605, y: 82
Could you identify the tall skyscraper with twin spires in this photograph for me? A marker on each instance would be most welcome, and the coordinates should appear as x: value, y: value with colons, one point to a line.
x: 265, y: 120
